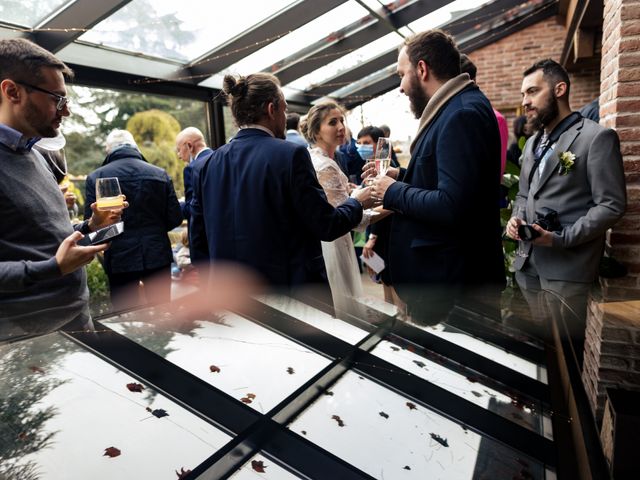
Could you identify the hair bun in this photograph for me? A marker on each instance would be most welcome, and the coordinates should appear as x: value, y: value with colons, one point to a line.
x: 236, y: 87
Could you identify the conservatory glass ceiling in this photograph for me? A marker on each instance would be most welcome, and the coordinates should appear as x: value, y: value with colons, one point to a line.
x: 341, y: 48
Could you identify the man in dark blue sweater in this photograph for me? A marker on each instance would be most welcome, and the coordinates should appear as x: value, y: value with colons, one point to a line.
x: 42, y: 282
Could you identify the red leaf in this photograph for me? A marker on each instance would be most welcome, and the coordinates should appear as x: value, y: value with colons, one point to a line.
x: 135, y: 387
x: 338, y: 419
x: 258, y: 466
x: 182, y: 473
x: 412, y: 406
x: 252, y: 396
x: 111, y: 452
x: 214, y: 369
x: 246, y: 400
x: 36, y: 369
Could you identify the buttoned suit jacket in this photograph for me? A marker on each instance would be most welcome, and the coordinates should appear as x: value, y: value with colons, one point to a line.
x: 589, y: 199
x: 446, y: 227
x: 262, y: 206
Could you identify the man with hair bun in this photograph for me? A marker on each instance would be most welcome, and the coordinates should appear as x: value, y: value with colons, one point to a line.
x: 262, y: 205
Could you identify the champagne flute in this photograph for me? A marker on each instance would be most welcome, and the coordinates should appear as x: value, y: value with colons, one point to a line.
x: 382, y: 156
x: 108, y: 194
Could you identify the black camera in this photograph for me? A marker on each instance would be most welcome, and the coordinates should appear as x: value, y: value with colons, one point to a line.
x: 547, y: 218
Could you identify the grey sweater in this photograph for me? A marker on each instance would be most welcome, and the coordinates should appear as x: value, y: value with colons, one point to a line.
x: 33, y: 223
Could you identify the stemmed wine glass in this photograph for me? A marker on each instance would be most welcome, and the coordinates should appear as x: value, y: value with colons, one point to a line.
x: 522, y: 250
x: 382, y: 156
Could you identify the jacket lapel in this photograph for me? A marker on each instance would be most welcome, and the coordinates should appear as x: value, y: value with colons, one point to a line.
x: 564, y: 143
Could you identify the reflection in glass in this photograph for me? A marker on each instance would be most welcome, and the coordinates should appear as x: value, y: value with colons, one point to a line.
x: 262, y: 467
x: 247, y: 361
x: 472, y: 387
x: 66, y: 414
x: 387, y: 436
x: 29, y: 13
x: 181, y: 31
x: 314, y: 317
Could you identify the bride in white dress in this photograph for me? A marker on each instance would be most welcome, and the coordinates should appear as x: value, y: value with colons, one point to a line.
x: 324, y: 128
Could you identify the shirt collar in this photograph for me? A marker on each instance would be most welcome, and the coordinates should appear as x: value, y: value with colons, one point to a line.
x: 15, y: 140
x: 259, y: 127
x: 200, y: 151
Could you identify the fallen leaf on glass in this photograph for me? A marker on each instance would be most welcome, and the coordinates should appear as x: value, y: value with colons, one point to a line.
x: 258, y: 466
x: 440, y: 440
x: 290, y: 371
x: 158, y: 412
x: 252, y: 396
x: 36, y: 369
x: 182, y: 473
x: 411, y: 405
x: 111, y: 452
x: 246, y: 400
x: 407, y: 467
x: 383, y: 415
x: 329, y: 393
x: 304, y: 432
x: 477, y: 394
x: 214, y: 369
x: 394, y: 348
x: 135, y: 387
x: 419, y: 363
x: 338, y: 419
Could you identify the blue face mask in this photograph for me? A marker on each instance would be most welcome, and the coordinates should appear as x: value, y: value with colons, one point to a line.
x: 365, y: 151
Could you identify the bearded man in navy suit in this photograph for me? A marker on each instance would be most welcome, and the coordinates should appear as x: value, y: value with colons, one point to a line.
x: 262, y: 205
x: 445, y: 240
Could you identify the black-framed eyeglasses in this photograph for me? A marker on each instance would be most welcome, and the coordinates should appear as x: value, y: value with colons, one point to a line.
x: 62, y: 101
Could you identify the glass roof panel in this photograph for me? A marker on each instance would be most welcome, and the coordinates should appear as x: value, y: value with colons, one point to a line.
x: 29, y: 13
x: 244, y: 360
x: 266, y: 468
x: 67, y: 415
x: 181, y: 31
x: 313, y: 31
x: 472, y: 388
x: 396, y: 438
x: 445, y: 14
x: 316, y: 318
x: 347, y: 62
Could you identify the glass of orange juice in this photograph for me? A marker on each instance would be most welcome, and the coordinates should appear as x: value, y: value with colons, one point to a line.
x: 108, y: 194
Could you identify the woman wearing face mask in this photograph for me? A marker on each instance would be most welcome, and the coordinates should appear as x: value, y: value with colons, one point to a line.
x: 324, y: 129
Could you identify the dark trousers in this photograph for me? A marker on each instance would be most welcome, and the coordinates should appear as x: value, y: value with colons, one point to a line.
x: 133, y: 289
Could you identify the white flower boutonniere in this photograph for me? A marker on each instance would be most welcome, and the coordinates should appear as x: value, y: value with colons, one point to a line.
x: 567, y: 160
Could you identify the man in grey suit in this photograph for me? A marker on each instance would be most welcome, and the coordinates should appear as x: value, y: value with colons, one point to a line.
x: 572, y: 170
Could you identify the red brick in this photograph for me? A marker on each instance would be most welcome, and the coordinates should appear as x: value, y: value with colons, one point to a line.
x: 614, y: 334
x: 615, y: 363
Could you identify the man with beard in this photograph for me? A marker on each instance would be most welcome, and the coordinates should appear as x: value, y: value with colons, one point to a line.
x: 572, y: 184
x: 445, y: 240
x: 42, y: 282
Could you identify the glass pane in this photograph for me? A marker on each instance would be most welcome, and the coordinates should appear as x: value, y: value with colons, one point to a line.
x: 181, y: 31
x: 66, y: 414
x: 312, y: 316
x: 261, y: 467
x: 445, y: 14
x: 472, y: 387
x: 247, y: 361
x: 368, y: 80
x: 394, y: 438
x: 347, y: 62
x: 29, y: 13
x: 312, y: 32
x: 499, y: 355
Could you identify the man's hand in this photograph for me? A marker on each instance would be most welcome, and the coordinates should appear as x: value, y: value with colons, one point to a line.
x: 380, y: 186
x: 103, y: 218
x: 512, y: 227
x: 545, y: 239
x: 369, y: 170
x: 71, y: 257
x: 363, y: 195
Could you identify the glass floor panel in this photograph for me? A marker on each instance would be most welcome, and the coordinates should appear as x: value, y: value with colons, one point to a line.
x: 67, y: 414
x: 261, y: 467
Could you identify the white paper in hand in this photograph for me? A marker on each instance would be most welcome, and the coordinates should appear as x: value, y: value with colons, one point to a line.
x: 375, y: 262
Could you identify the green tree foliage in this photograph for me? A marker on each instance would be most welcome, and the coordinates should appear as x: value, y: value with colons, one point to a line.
x: 155, y: 132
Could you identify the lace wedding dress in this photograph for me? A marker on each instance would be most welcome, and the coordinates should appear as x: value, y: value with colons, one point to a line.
x: 339, y: 255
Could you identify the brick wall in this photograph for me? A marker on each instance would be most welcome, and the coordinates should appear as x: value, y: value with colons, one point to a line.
x: 612, y: 355
x: 500, y: 66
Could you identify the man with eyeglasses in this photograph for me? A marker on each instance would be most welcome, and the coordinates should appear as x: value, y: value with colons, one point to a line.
x: 42, y: 282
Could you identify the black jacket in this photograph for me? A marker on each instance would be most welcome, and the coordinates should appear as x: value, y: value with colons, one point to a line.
x: 153, y: 211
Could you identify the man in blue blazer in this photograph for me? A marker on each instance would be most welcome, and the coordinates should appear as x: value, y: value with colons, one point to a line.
x: 445, y: 234
x: 261, y: 203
